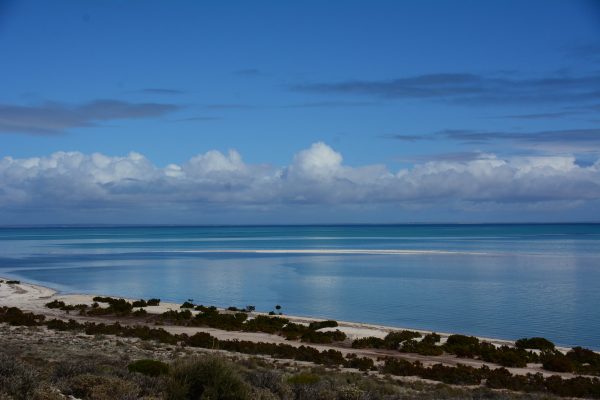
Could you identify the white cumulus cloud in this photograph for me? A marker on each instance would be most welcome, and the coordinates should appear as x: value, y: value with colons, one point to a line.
x: 316, y: 177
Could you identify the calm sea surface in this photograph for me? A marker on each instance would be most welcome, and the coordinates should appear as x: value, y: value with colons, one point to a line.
x: 505, y: 281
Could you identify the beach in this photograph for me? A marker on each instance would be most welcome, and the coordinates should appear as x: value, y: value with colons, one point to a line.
x: 33, y: 298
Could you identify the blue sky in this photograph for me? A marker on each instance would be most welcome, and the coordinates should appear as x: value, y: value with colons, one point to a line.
x: 497, y: 100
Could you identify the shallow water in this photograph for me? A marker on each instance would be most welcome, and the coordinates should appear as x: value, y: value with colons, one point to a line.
x: 506, y: 281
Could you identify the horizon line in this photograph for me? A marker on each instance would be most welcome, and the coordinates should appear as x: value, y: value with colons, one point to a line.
x: 342, y: 224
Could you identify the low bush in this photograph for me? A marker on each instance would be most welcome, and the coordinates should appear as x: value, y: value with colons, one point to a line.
x: 89, y: 386
x: 153, y: 302
x: 16, y: 317
x: 139, y: 303
x: 322, y: 324
x: 393, y: 339
x: 585, y: 361
x: 558, y: 363
x: 262, y: 323
x: 149, y: 367
x: 323, y: 337
x: 538, y: 343
x: 360, y: 363
x: 55, y: 304
x: 177, y: 316
x: 423, y: 347
x: 187, y: 304
x: 370, y: 342
x: 17, y: 379
x: 60, y: 325
x: 115, y: 306
x: 214, y: 319
x: 462, y: 346
x: 305, y: 378
x: 140, y: 313
x: 206, y: 378
x: 504, y: 355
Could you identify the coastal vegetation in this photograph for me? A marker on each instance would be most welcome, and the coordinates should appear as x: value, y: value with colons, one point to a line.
x: 498, y: 378
x: 72, y: 366
x: 526, y: 350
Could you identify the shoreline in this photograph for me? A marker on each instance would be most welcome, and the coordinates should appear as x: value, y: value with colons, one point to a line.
x: 33, y: 297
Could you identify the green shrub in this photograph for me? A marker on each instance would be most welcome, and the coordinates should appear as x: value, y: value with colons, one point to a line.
x: 115, y: 306
x: 423, y: 347
x: 153, y: 302
x: 16, y: 317
x: 323, y: 337
x: 370, y: 342
x: 304, y: 378
x: 393, y: 339
x: 538, y: 343
x: 139, y: 303
x: 462, y: 346
x: 431, y: 338
x: 55, y: 304
x: 149, y: 367
x: 263, y: 323
x: 558, y: 363
x: 361, y: 363
x: 140, y: 313
x: 187, y: 304
x: 97, y: 387
x: 205, y: 378
x: 174, y: 315
x: 322, y: 324
x: 505, y: 356
x: 17, y: 379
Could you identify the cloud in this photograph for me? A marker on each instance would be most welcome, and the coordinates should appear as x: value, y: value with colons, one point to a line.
x: 467, y: 88
x: 458, y: 156
x: 548, y: 115
x: 55, y: 118
x: 70, y: 182
x: 567, y: 140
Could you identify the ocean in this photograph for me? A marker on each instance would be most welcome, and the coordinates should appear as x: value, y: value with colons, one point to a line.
x: 494, y: 280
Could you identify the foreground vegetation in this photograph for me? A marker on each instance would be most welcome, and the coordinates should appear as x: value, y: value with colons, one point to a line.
x: 38, y: 364
x: 459, y: 375
x: 527, y: 350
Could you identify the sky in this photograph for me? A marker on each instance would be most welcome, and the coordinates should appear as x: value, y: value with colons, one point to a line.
x: 278, y: 112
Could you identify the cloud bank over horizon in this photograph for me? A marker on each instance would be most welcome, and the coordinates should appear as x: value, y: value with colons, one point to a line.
x: 101, y: 188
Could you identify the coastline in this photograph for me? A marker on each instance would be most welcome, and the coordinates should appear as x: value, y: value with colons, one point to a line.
x: 33, y: 297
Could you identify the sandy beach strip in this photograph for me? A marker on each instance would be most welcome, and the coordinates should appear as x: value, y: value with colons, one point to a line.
x: 33, y: 298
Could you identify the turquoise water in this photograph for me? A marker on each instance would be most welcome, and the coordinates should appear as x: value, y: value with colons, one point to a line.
x: 505, y: 281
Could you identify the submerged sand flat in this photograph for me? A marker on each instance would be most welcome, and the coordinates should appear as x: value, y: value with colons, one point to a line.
x: 335, y: 251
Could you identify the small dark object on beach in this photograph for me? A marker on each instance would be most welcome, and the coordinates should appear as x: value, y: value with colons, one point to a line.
x: 13, y: 282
